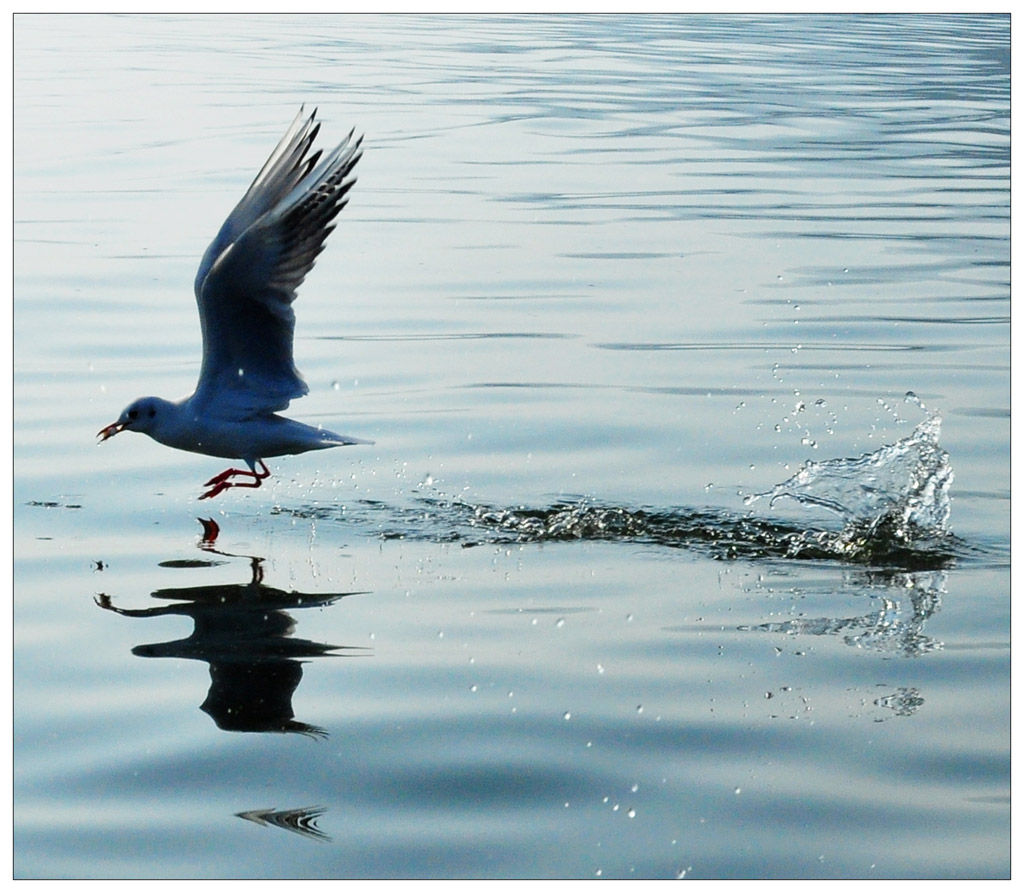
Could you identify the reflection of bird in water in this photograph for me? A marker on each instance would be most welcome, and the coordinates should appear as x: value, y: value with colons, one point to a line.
x: 243, y: 631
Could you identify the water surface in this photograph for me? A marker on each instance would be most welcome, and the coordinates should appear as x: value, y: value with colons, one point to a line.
x: 602, y: 281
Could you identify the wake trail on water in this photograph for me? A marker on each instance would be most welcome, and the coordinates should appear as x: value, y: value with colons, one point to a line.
x: 892, y: 505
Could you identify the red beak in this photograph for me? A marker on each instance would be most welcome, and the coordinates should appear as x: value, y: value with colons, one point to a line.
x: 110, y: 431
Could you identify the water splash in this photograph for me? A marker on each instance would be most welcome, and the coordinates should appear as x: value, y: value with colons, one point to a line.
x: 894, y: 503
x: 894, y: 499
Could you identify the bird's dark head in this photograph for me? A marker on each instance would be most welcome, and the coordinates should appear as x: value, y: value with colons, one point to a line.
x: 142, y: 415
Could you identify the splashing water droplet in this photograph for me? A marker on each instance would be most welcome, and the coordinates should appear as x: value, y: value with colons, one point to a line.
x: 899, y: 492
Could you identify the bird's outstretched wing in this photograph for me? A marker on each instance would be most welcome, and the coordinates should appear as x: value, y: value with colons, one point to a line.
x: 247, y: 279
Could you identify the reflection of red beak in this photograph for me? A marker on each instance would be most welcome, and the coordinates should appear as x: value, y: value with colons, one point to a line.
x: 110, y: 431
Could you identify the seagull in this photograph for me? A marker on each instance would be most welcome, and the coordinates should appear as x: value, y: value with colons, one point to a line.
x: 245, y: 288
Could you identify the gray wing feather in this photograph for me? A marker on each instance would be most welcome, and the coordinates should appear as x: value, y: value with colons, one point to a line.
x: 249, y: 274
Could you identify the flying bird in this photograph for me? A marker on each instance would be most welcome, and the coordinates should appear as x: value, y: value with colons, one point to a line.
x: 245, y: 288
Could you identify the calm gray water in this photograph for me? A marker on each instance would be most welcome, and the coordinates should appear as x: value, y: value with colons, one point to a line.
x: 602, y: 281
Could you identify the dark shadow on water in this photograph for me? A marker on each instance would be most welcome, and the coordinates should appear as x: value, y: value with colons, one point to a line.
x: 245, y: 633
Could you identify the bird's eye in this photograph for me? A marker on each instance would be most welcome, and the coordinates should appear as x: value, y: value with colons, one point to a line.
x: 133, y: 413
x: 152, y: 412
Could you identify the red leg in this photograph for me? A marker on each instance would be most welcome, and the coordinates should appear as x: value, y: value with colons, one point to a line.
x: 222, y: 482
